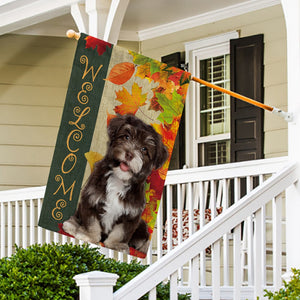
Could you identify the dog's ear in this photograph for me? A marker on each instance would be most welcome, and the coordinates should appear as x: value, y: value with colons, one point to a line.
x: 161, y: 154
x: 114, y: 125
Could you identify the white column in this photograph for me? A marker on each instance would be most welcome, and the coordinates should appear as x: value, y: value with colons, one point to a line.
x: 292, y: 17
x: 95, y: 285
x: 98, y: 11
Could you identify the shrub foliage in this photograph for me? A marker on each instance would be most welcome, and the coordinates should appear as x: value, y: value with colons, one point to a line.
x: 290, y: 291
x: 46, y: 272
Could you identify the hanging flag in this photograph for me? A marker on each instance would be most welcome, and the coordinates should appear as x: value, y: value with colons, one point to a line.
x: 118, y: 128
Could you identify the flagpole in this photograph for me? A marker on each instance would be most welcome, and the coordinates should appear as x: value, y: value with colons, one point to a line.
x: 287, y: 116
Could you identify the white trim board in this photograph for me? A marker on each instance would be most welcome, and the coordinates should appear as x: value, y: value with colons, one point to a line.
x: 206, y: 18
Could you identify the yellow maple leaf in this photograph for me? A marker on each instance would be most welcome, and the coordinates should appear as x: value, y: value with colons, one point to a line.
x: 130, y: 102
x: 92, y: 158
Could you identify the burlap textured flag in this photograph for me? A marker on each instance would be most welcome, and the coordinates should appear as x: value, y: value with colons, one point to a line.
x: 115, y: 141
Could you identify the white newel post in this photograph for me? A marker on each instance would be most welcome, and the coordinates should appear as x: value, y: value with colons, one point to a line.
x: 292, y: 18
x: 96, y: 285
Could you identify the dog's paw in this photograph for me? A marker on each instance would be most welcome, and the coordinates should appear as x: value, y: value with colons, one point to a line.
x: 143, y: 246
x: 70, y: 227
x: 117, y: 246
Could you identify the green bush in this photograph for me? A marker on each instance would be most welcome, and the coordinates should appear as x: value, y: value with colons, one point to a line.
x: 46, y: 272
x: 290, y: 291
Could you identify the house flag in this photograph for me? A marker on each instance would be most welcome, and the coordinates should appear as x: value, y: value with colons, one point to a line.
x: 121, y: 116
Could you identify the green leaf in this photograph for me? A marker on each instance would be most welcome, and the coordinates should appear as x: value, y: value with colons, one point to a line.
x: 171, y: 108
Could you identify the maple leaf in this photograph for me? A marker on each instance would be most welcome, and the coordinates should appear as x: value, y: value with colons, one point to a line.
x: 130, y: 102
x: 176, y: 76
x: 168, y: 133
x: 172, y: 108
x: 94, y: 43
x: 121, y: 73
x: 143, y: 71
x: 92, y: 158
x: 185, y: 78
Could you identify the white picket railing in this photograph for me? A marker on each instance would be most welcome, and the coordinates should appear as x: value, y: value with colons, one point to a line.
x: 250, y: 206
x: 187, y: 191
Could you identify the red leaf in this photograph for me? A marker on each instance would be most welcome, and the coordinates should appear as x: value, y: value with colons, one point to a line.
x: 92, y: 42
x: 109, y: 117
x: 121, y: 73
x: 61, y: 231
x: 176, y: 77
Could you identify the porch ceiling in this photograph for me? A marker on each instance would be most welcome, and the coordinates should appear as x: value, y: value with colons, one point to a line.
x: 144, y: 19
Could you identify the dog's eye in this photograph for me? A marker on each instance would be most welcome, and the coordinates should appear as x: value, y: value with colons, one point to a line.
x: 144, y: 150
x: 126, y: 137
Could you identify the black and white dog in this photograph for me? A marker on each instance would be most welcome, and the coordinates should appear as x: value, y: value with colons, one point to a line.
x: 113, y: 198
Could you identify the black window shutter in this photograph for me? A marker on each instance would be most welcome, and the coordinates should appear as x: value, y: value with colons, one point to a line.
x: 178, y: 155
x: 246, y: 78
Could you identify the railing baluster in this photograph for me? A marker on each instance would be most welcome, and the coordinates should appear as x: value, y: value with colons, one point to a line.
x: 173, y: 286
x: 190, y: 208
x: 194, y: 282
x: 215, y: 261
x: 152, y: 294
x: 237, y: 189
x: 277, y: 240
x: 24, y: 224
x: 249, y: 183
x: 17, y: 223
x: 258, y: 288
x: 225, y: 237
x: 32, y: 222
x: 179, y: 228
x: 212, y: 200
x: 39, y: 230
x: 9, y: 229
x: 202, y: 222
x: 237, y: 267
x: 48, y: 239
x: 149, y: 254
x: 159, y: 231
x: 169, y: 217
x: 2, y: 231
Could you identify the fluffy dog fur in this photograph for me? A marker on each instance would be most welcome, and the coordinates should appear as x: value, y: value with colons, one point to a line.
x: 113, y: 198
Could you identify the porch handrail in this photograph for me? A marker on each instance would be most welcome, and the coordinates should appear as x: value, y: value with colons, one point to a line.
x: 22, y: 194
x: 230, y: 170
x: 241, y: 169
x: 209, y: 234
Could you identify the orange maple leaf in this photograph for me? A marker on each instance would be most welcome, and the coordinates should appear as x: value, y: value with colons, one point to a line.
x: 130, y: 102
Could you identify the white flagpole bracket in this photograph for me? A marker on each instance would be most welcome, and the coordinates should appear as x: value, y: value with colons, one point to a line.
x: 283, y: 114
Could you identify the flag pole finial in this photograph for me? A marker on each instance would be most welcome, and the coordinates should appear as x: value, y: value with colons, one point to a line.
x: 73, y: 34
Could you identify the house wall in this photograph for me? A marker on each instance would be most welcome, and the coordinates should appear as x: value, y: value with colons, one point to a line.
x: 34, y: 75
x: 35, y: 70
x: 271, y: 23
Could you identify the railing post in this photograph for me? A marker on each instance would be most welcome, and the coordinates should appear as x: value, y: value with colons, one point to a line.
x: 96, y: 285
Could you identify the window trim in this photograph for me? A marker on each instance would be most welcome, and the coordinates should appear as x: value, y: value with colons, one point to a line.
x: 202, y: 48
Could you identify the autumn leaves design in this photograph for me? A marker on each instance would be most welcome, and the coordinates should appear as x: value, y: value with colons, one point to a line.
x: 166, y: 98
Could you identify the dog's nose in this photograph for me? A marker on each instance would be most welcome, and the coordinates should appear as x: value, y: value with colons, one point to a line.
x: 129, y: 156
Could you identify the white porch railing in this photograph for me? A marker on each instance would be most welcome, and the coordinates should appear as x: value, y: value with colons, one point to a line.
x: 252, y: 205
x: 187, y: 191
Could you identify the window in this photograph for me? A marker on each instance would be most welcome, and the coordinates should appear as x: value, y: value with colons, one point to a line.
x: 208, y: 110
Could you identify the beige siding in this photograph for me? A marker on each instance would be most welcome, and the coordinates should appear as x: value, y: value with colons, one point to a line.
x: 34, y: 75
x: 271, y: 23
x: 33, y: 80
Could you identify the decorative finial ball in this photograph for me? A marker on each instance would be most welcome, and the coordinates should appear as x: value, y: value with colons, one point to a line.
x: 70, y: 33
